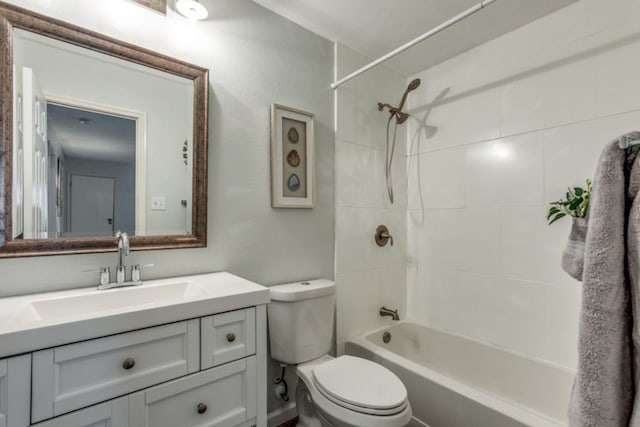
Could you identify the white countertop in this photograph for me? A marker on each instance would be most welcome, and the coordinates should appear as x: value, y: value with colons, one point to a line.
x: 33, y: 322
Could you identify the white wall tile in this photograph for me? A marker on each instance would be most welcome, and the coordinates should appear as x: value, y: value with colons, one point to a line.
x: 618, y: 88
x: 505, y: 172
x: 357, y: 303
x: 461, y: 239
x: 550, y: 97
x: 355, y: 175
x: 437, y: 179
x: 562, y: 317
x: 571, y: 155
x: 392, y: 291
x: 504, y: 312
x: 531, y: 249
x: 370, y: 124
x: 458, y: 120
x: 355, y: 247
x: 419, y: 299
x: 364, y: 270
x: 571, y: 152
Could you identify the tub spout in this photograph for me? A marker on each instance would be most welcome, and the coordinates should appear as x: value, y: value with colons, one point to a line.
x: 384, y: 311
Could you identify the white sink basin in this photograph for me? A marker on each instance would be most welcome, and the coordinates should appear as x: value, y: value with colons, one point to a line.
x: 31, y: 322
x: 119, y: 298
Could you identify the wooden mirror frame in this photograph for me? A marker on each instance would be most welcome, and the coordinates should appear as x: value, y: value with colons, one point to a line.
x: 15, y: 17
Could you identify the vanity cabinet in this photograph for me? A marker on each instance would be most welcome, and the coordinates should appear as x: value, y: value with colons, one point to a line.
x: 15, y: 388
x: 208, y: 371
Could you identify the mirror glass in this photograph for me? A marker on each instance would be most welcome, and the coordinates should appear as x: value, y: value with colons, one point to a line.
x: 100, y: 144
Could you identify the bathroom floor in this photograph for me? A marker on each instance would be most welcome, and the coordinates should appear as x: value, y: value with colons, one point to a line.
x: 291, y: 423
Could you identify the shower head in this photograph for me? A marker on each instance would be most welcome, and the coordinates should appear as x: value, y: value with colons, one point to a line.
x: 415, y: 83
x: 412, y: 86
x: 397, y: 112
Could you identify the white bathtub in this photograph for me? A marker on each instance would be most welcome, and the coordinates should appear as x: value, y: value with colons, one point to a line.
x: 457, y: 382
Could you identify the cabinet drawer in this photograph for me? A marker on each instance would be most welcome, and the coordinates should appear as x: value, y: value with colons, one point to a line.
x: 221, y: 397
x: 74, y: 376
x: 114, y: 413
x: 227, y: 336
x: 15, y: 374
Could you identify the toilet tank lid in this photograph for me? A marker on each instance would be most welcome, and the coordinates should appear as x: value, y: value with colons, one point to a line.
x: 305, y: 289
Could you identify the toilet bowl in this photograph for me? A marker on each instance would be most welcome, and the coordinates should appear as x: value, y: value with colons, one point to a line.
x: 345, y: 391
x: 350, y: 392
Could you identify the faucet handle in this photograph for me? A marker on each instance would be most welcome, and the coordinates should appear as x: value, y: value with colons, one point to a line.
x: 135, y: 273
x: 382, y: 236
x: 104, y: 274
x: 136, y: 269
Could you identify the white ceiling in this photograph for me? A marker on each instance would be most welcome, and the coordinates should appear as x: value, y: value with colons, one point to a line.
x: 375, y: 27
x: 101, y: 137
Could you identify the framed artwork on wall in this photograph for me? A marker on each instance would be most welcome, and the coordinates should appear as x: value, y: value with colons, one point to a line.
x: 157, y: 5
x: 293, y: 172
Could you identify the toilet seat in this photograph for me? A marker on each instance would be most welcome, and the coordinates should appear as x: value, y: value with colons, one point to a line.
x: 360, y: 385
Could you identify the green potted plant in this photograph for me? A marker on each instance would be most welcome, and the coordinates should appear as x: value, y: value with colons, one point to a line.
x: 576, y: 204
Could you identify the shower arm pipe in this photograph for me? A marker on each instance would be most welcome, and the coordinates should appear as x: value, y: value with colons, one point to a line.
x: 459, y: 17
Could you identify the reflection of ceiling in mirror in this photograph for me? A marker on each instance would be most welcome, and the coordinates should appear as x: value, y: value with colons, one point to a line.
x: 26, y: 39
x: 90, y: 135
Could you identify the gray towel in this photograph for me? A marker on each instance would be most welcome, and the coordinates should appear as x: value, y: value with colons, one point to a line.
x: 573, y: 255
x: 633, y: 260
x: 603, y: 392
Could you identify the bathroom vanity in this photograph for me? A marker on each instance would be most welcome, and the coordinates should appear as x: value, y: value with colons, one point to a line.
x: 189, y: 351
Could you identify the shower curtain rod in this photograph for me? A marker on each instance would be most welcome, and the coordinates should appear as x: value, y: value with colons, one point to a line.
x: 428, y: 34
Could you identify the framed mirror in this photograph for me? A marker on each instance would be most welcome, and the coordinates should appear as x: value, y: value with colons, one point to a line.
x: 98, y: 136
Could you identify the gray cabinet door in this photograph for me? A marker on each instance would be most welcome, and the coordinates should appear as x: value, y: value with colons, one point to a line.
x: 224, y: 396
x: 78, y: 375
x: 15, y: 391
x: 114, y: 413
x: 227, y: 337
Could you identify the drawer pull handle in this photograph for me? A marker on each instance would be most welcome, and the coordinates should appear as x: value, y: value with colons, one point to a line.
x: 231, y: 337
x: 202, y: 408
x: 128, y: 363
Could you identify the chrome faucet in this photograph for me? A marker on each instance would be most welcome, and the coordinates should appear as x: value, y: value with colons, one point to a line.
x: 384, y: 311
x: 121, y: 275
x: 123, y: 250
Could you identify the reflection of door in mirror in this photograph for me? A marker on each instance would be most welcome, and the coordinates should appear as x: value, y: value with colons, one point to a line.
x: 93, y: 144
x: 35, y: 157
x: 91, y: 205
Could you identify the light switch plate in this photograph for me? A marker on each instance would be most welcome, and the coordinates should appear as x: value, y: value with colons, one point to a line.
x: 158, y: 203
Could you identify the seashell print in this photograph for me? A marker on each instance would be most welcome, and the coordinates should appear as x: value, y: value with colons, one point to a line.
x: 293, y: 158
x: 293, y: 183
x: 293, y: 135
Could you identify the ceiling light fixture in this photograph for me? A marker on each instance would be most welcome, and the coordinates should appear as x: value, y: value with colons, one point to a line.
x: 192, y: 9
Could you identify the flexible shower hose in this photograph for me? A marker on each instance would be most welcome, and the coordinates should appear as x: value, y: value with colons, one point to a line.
x: 389, y: 157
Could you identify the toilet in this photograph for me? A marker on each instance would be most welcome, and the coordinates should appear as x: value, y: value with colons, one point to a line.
x: 346, y: 391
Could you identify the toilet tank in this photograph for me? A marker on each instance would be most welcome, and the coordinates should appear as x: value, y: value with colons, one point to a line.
x: 301, y: 320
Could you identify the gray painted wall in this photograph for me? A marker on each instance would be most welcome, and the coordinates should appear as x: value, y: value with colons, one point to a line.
x: 255, y: 58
